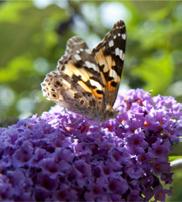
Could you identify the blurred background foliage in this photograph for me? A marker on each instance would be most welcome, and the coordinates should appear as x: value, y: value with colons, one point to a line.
x: 33, y: 36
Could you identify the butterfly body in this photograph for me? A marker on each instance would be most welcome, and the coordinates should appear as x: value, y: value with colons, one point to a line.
x: 87, y: 81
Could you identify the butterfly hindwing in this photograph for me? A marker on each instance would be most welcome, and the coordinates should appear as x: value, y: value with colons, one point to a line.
x: 76, y: 84
x: 61, y: 89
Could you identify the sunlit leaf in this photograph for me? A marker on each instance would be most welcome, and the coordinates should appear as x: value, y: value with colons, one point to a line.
x: 15, y: 67
x: 156, y: 72
x: 172, y: 158
x: 11, y: 11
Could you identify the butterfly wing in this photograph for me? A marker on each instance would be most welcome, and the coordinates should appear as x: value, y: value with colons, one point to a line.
x: 76, y: 84
x: 109, y: 55
x: 87, y: 81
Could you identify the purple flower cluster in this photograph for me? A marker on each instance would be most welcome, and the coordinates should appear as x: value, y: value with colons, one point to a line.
x: 62, y: 156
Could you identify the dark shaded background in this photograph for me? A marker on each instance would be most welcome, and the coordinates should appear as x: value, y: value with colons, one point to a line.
x: 33, y: 36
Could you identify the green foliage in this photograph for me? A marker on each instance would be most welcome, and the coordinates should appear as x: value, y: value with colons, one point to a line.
x: 177, y: 194
x: 15, y: 67
x: 172, y: 158
x: 156, y: 72
x: 10, y: 12
x: 27, y: 36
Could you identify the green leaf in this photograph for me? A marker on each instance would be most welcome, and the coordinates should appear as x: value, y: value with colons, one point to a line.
x: 11, y: 12
x: 172, y: 158
x: 156, y: 72
x: 15, y: 67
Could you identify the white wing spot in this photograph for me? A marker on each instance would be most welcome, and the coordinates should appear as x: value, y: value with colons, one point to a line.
x: 119, y: 34
x: 112, y: 73
x: 124, y: 36
x: 92, y: 66
x: 111, y: 43
x: 88, y: 51
x: 96, y: 84
x: 119, y: 53
x: 77, y: 57
x: 114, y: 37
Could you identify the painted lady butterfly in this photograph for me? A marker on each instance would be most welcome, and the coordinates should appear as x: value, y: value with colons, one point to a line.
x: 87, y: 81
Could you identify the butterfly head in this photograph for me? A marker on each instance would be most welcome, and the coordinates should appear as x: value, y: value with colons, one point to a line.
x: 108, y: 114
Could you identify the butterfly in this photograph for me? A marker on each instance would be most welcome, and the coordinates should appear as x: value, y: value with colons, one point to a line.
x: 86, y: 81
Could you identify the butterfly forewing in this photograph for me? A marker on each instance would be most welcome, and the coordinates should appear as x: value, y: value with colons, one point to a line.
x: 87, y: 81
x: 109, y: 55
